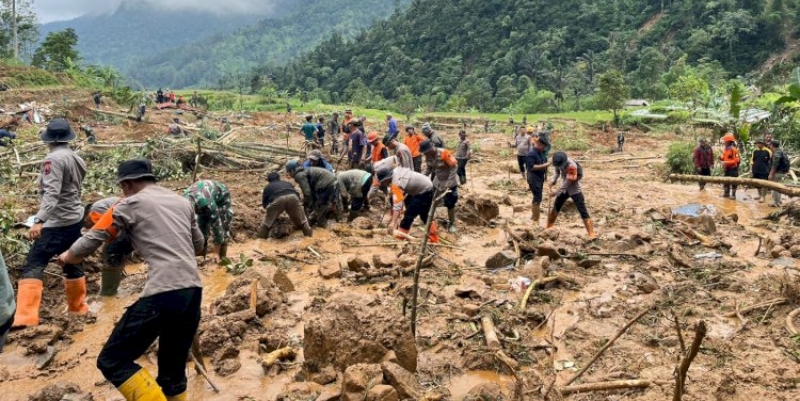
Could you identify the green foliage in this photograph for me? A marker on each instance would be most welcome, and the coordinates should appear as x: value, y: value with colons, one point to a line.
x: 237, y: 266
x: 17, y: 77
x: 27, y: 29
x: 612, y: 92
x: 57, y: 52
x: 687, y: 88
x: 680, y: 158
x: 11, y: 244
x: 533, y: 101
x: 572, y: 141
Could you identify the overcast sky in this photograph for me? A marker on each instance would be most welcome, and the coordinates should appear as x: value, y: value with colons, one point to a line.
x: 57, y: 10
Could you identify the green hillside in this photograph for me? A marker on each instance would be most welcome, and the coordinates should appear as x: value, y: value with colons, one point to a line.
x: 273, y: 41
x: 492, y: 54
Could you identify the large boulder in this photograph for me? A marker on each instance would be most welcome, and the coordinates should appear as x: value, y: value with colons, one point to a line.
x: 357, y: 328
x: 479, y: 210
x: 402, y: 380
x: 359, y: 379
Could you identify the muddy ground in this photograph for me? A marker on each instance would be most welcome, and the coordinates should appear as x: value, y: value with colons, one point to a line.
x: 337, y: 300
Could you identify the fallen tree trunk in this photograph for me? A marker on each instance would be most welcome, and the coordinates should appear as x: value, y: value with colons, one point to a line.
x: 738, y: 181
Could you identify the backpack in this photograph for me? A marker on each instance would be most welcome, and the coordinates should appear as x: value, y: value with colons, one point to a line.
x: 580, y: 170
x: 784, y: 165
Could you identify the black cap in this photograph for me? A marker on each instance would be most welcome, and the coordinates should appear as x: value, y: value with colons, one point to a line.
x: 761, y: 141
x: 134, y: 170
x: 58, y: 131
x: 425, y: 146
x: 543, y: 140
x: 776, y: 143
x: 559, y: 159
x: 385, y: 174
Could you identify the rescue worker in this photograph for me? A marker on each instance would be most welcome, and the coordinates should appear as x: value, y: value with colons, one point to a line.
x: 571, y: 174
x: 760, y: 166
x: 321, y: 131
x: 522, y: 143
x: 392, y: 130
x: 412, y: 140
x: 141, y: 112
x: 160, y: 96
x: 412, y: 191
x: 309, y: 130
x: 335, y: 129
x: 7, y: 304
x: 316, y: 159
x: 195, y: 100
x: 433, y: 136
x: 56, y: 226
x: 320, y: 192
x: 212, y: 204
x: 463, y: 154
x: 620, y: 141
x: 441, y: 164
x: 780, y: 167
x: 169, y: 306
x: 379, y: 151
x: 89, y: 132
x: 703, y: 160
x: 97, y: 98
x: 175, y: 129
x: 536, y: 165
x: 730, y: 164
x: 115, y: 251
x: 358, y: 145
x: 279, y: 197
x: 355, y: 186
x: 403, y: 153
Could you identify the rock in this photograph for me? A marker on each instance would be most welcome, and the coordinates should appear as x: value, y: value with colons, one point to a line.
x: 335, y: 333
x: 551, y: 234
x: 359, y: 379
x: 733, y: 217
x: 228, y: 351
x: 330, y: 271
x: 548, y: 249
x: 776, y: 251
x: 57, y: 392
x: 501, y: 259
x: 381, y: 262
x: 237, y: 296
x: 389, y: 357
x: 406, y: 261
x: 484, y: 392
x: 795, y: 251
x: 333, y: 393
x: 227, y: 367
x: 382, y: 393
x: 282, y: 281
x: 783, y: 263
x: 506, y: 201
x: 402, y: 380
x: 437, y: 394
x: 471, y: 309
x: 325, y: 376
x: 478, y: 210
x: 302, y: 391
x: 363, y: 223
x: 643, y: 281
x: 357, y: 265
x: 589, y: 263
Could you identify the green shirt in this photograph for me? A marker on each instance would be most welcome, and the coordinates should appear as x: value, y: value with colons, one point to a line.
x: 308, y: 130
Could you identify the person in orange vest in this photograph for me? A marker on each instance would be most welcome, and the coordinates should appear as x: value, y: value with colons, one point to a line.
x: 379, y: 151
x: 730, y: 164
x: 412, y: 140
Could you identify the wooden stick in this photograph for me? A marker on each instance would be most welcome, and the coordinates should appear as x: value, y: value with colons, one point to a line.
x: 678, y: 330
x: 541, y: 283
x: 776, y: 301
x: 755, y: 183
x: 490, y: 333
x: 790, y: 322
x: 199, y: 368
x: 608, y: 345
x: 277, y: 355
x: 683, y: 368
x: 612, y: 385
x: 420, y: 260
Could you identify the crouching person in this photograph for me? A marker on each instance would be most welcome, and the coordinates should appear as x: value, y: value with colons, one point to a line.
x: 115, y: 252
x: 355, y: 186
x: 413, y: 191
x: 278, y: 197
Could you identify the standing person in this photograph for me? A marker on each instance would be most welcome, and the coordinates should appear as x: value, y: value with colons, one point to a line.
x: 358, y: 145
x: 780, y: 167
x: 433, y: 136
x: 443, y: 166
x: 316, y: 159
x: 355, y: 186
x: 730, y: 164
x: 335, y: 129
x: 279, y: 197
x: 160, y: 96
x: 7, y: 304
x: 97, y: 98
x: 320, y: 192
x: 522, y: 143
x: 142, y: 111
x: 288, y: 109
x: 309, y: 130
x: 536, y: 165
x: 172, y: 96
x: 214, y: 209
x: 760, y: 166
x: 413, y: 192
x: 412, y: 140
x: 463, y: 154
x: 703, y: 160
x: 379, y: 151
x: 57, y: 225
x: 321, y: 131
x: 403, y: 154
x: 116, y: 251
x: 392, y: 131
x: 571, y: 173
x: 169, y: 306
x: 620, y: 141
x: 195, y: 99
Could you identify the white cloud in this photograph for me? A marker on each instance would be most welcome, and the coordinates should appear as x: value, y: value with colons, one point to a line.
x: 57, y: 10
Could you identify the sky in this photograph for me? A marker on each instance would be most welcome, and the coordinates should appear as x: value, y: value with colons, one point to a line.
x: 58, y: 10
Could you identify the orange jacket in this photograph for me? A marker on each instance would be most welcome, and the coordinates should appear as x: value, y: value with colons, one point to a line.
x: 413, y: 141
x: 377, y: 152
x: 730, y: 158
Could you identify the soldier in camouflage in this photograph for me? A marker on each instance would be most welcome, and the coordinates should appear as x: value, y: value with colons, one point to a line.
x: 212, y: 204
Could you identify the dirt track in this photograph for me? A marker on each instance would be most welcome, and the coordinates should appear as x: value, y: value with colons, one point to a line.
x: 560, y: 330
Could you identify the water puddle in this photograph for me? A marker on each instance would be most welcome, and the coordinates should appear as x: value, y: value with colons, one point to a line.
x: 461, y: 385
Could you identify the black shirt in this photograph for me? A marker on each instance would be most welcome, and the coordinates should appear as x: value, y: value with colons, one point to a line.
x: 275, y: 190
x: 535, y: 158
x: 761, y: 162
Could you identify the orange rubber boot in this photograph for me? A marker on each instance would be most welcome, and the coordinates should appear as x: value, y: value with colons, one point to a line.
x: 551, y: 218
x: 589, y: 228
x: 402, y: 230
x: 433, y: 237
x: 29, y: 298
x: 76, y: 296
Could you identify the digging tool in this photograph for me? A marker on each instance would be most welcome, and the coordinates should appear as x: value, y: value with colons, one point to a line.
x: 199, y: 365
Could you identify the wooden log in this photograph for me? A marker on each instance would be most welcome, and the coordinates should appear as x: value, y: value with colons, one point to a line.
x: 273, y: 357
x: 738, y: 181
x: 607, y: 386
x: 683, y: 367
x: 762, y: 305
x: 541, y: 283
x: 490, y: 333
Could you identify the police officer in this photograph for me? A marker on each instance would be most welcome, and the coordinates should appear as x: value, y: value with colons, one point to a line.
x: 56, y: 226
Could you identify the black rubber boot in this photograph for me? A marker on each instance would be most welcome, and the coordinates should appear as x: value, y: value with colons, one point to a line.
x: 110, y: 277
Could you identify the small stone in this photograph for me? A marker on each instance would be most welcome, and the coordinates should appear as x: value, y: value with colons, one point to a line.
x: 485, y: 391
x: 501, y: 259
x: 382, y: 393
x: 776, y: 251
x: 227, y: 367
x: 402, y: 380
x: 330, y: 271
x: 330, y: 394
x: 381, y: 262
x: 358, y: 379
x: 406, y: 261
x: 589, y: 263
x: 783, y: 263
x: 471, y: 309
x: 548, y: 249
x: 644, y: 282
x: 389, y: 357
x: 300, y: 392
x: 551, y: 234
x: 282, y: 281
x: 325, y: 376
x: 357, y: 265
x: 795, y: 251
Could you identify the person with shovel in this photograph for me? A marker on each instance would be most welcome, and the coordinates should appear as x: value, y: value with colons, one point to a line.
x: 413, y: 192
x: 212, y: 204
x: 443, y: 167
x: 163, y: 228
x: 571, y: 173
x: 115, y: 252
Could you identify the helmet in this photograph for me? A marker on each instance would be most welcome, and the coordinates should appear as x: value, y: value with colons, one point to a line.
x: 728, y: 138
x: 529, y: 129
x: 409, y: 126
x: 291, y: 166
x: 372, y: 137
x: 426, y: 129
x: 559, y: 159
x: 425, y: 146
x: 385, y: 174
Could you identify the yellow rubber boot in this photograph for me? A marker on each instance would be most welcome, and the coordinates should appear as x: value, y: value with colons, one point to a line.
x: 141, y: 387
x: 29, y: 298
x: 180, y: 397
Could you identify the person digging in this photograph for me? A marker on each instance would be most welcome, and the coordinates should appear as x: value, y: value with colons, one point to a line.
x: 279, y: 197
x: 320, y: 191
x: 212, y: 204
x: 355, y: 186
x: 412, y: 191
x: 571, y: 174
x: 115, y: 251
x: 444, y: 167
x: 163, y: 228
x: 57, y: 225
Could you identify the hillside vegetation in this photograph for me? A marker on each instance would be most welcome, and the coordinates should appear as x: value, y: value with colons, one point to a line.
x: 494, y: 55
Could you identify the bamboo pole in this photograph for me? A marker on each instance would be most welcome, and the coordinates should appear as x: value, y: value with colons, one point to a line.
x: 738, y: 181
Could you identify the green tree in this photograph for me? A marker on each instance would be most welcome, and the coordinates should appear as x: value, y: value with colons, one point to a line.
x: 612, y: 92
x: 688, y: 88
x: 57, y: 51
x: 27, y: 29
x: 647, y: 76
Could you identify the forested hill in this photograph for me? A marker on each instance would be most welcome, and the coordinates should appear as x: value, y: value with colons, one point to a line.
x: 273, y: 41
x: 486, y: 53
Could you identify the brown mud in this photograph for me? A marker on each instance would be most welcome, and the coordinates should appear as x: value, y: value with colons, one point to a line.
x: 347, y: 323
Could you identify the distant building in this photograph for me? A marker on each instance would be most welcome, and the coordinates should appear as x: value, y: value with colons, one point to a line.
x: 636, y: 103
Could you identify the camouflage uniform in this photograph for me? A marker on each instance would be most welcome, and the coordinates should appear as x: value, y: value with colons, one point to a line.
x: 212, y: 204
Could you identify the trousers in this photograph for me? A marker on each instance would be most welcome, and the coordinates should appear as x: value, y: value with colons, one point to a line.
x: 416, y: 205
x: 53, y: 242
x: 580, y: 203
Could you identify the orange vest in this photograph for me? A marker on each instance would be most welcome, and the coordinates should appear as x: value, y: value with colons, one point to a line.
x: 376, y: 152
x: 413, y: 141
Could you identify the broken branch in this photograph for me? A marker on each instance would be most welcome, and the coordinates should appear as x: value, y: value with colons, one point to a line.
x: 767, y: 304
x: 273, y: 357
x: 490, y: 333
x: 612, y: 385
x: 683, y: 368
